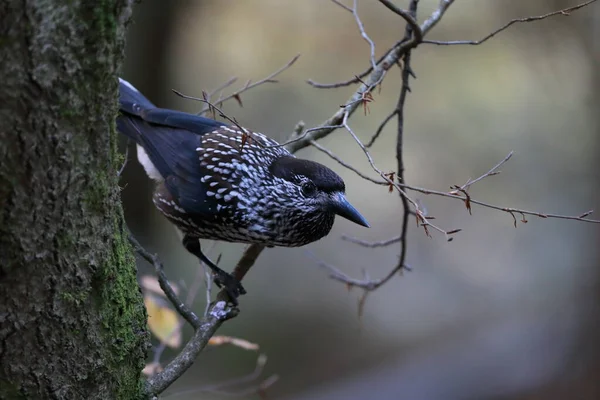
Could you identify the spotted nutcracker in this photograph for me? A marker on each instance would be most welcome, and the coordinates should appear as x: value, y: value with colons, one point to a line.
x: 216, y: 182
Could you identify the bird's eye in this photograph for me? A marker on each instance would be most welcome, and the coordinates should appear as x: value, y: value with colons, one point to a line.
x: 309, y: 189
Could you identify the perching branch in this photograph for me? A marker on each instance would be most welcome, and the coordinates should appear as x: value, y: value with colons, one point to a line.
x: 204, y: 328
x: 218, y: 313
x: 166, y: 287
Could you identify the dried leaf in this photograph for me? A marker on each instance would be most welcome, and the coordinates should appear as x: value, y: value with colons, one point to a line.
x: 163, y: 321
x: 152, y: 369
x: 361, y: 303
x: 244, y: 139
x: 468, y: 202
x: 237, y: 97
x: 426, y: 231
x: 242, y: 343
x: 367, y: 97
x: 390, y: 176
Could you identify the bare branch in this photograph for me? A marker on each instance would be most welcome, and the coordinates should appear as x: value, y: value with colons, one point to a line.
x: 436, y: 16
x: 339, y: 3
x: 357, y: 78
x: 300, y: 137
x: 247, y: 261
x: 346, y: 165
x: 582, y: 217
x: 565, y: 11
x: 204, y: 328
x: 406, y: 74
x: 492, y: 171
x: 208, y: 279
x: 219, y: 90
x: 219, y: 312
x: 364, y: 34
x: 376, y: 76
x: 407, y: 17
x: 125, y: 157
x: 179, y: 305
x: 373, y: 245
x: 366, y: 283
x: 212, y: 106
x: 381, y: 127
x: 220, y: 388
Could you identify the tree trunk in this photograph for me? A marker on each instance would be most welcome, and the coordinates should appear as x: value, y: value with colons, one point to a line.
x: 72, y: 321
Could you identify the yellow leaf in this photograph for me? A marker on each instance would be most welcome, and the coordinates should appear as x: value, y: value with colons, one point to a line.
x: 162, y: 321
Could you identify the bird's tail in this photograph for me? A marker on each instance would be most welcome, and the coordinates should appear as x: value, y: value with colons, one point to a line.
x: 130, y: 122
x: 131, y: 101
x: 132, y: 105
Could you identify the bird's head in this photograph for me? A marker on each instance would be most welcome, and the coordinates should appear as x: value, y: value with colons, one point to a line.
x: 315, y: 190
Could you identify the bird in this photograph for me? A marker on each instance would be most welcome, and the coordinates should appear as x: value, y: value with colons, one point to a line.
x: 224, y: 182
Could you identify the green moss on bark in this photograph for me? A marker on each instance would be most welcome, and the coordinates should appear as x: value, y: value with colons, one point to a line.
x: 67, y: 274
x: 122, y: 315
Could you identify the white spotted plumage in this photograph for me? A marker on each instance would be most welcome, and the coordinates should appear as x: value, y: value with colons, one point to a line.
x: 251, y: 205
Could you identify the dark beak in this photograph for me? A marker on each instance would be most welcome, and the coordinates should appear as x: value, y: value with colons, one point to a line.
x: 343, y: 208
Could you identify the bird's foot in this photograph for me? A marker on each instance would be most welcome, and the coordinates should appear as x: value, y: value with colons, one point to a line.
x: 232, y: 286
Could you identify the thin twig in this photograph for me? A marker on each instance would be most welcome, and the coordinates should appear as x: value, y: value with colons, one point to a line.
x: 249, y: 85
x: 212, y: 106
x: 345, y: 164
x: 381, y: 127
x: 179, y: 305
x: 220, y: 388
x: 339, y: 3
x: 390, y: 58
x: 303, y: 135
x: 204, y: 328
x: 376, y: 76
x: 364, y: 34
x: 372, y: 245
x: 208, y: 279
x: 219, y: 90
x: 218, y: 313
x: 407, y: 17
x: 406, y: 74
x: 356, y: 78
x: 564, y: 11
x: 493, y: 171
x: 366, y: 283
x: 125, y: 157
x: 582, y: 217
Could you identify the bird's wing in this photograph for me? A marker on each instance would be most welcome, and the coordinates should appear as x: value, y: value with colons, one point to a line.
x: 173, y: 151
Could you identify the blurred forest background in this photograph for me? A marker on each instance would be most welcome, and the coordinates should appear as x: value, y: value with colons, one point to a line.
x: 499, y: 313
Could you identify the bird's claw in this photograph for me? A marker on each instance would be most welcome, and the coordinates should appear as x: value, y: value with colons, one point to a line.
x: 232, y: 286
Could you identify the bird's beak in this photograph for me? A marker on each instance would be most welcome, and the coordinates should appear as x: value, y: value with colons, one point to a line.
x: 343, y: 208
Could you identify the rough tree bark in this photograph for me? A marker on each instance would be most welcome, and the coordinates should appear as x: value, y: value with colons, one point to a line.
x: 72, y: 321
